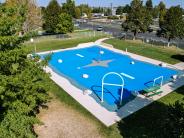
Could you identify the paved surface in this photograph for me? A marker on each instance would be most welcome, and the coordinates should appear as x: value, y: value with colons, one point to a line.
x: 116, y: 30
x: 105, y: 116
x: 180, y: 65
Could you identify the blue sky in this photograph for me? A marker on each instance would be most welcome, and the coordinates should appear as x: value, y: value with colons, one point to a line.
x: 115, y: 2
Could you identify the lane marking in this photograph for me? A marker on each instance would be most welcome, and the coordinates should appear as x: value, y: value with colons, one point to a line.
x: 79, y: 55
x: 128, y: 76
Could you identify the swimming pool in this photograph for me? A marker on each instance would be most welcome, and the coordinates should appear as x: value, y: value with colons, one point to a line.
x: 85, y: 68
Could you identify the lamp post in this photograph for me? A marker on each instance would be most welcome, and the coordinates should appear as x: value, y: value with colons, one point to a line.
x: 32, y: 41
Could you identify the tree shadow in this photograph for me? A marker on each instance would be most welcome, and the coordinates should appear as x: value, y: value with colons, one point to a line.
x: 155, y: 120
x: 150, y: 121
x: 178, y: 57
x: 180, y: 90
x: 97, y: 90
x: 178, y: 82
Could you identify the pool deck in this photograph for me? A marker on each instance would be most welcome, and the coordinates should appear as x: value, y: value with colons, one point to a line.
x: 106, y: 117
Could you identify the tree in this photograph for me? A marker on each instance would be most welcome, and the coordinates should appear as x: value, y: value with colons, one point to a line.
x: 84, y: 8
x: 65, y: 24
x: 126, y: 9
x: 33, y: 17
x: 77, y: 13
x: 155, y: 12
x: 173, y: 23
x: 11, y: 19
x: 23, y: 83
x: 51, y: 17
x: 69, y: 8
x: 162, y: 12
x: 149, y: 5
x: 97, y: 10
x: 137, y: 20
x: 120, y: 10
x: 29, y: 10
x: 23, y: 87
x: 108, y: 12
x: 173, y: 125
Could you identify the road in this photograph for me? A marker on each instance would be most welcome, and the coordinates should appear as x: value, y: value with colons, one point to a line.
x: 116, y: 30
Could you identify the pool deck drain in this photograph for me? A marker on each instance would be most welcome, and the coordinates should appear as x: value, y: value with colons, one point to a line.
x: 106, y: 117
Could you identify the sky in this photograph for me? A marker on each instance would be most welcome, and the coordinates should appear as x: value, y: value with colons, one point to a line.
x: 106, y: 3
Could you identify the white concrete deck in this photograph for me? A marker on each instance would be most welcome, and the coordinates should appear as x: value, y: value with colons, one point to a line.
x: 180, y: 65
x: 106, y: 117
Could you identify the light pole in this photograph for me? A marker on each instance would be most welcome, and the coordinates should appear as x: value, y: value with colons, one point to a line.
x: 32, y: 41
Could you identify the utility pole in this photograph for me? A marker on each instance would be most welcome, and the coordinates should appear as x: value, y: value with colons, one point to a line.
x: 111, y: 8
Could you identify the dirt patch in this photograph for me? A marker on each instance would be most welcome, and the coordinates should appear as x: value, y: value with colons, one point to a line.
x: 61, y: 121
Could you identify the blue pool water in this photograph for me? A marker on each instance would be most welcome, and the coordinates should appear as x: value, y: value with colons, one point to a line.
x: 136, y: 76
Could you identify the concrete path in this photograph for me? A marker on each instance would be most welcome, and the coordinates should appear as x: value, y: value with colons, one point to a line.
x: 180, y: 65
x: 99, y: 41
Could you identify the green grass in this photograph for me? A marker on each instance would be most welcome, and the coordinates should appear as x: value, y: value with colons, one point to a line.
x: 149, y: 121
x: 166, y: 54
x: 50, y: 44
x: 84, y: 30
x: 144, y: 123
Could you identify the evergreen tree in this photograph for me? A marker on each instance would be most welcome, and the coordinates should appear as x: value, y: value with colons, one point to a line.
x: 162, y: 12
x: 51, y: 16
x: 65, y: 24
x: 97, y: 10
x: 120, y: 10
x: 149, y: 4
x: 155, y: 12
x: 23, y: 83
x: 77, y: 13
x: 69, y: 8
x: 126, y: 9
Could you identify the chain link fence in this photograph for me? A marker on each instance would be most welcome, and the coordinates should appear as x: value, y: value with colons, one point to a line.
x: 155, y: 41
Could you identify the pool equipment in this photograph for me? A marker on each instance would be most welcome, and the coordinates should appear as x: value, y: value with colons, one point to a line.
x: 87, y: 92
x: 112, y: 84
x: 163, y: 64
x: 85, y: 76
x: 159, y: 78
x: 174, y: 77
x: 60, y: 61
x: 79, y: 55
x: 101, y: 52
x: 132, y: 62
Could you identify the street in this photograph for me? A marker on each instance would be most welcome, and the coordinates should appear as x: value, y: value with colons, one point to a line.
x: 116, y: 30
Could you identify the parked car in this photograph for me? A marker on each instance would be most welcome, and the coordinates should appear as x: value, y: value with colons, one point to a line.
x: 122, y: 35
x: 76, y: 25
x: 100, y: 28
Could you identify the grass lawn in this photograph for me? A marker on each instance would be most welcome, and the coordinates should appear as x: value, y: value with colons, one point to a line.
x: 169, y: 55
x: 144, y: 123
x: 50, y: 44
